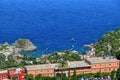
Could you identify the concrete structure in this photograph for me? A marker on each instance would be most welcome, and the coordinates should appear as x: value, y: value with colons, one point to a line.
x: 10, y: 73
x: 101, y: 64
x: 81, y: 67
x: 46, y: 70
x: 89, y: 65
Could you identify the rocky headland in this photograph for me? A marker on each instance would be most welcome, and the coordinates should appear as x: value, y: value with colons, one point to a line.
x: 17, y: 47
x: 25, y: 45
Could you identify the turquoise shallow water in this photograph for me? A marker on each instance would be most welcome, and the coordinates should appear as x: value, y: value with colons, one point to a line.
x: 50, y: 24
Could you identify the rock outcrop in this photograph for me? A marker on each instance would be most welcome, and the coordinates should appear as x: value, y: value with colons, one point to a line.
x: 25, y: 45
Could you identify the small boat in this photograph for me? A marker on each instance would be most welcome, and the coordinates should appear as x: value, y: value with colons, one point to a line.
x: 72, y: 40
x: 73, y: 46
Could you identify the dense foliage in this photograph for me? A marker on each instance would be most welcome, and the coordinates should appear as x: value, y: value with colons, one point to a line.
x: 38, y: 77
x: 2, y: 47
x: 118, y: 74
x: 7, y: 64
x: 66, y: 56
x: 10, y: 62
x: 64, y: 77
x: 109, y: 43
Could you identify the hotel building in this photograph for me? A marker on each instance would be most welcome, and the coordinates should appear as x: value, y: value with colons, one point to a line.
x: 89, y: 65
x: 46, y: 70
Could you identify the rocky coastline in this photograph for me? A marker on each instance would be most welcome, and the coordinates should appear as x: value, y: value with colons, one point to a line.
x: 17, y: 47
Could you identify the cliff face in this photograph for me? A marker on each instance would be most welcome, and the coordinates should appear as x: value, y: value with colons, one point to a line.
x: 25, y: 44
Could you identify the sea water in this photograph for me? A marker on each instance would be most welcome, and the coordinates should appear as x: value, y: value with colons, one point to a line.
x: 51, y: 24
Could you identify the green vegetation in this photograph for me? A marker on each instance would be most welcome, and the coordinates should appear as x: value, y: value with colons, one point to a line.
x: 20, y: 43
x: 11, y: 62
x: 108, y: 44
x: 65, y: 56
x: 118, y: 55
x: 118, y: 74
x: 29, y: 77
x: 15, y: 78
x: 24, y: 44
x: 7, y: 64
x: 2, y: 47
x: 38, y: 77
x: 64, y: 77
x: 113, y: 75
x: 93, y: 75
x: 74, y: 75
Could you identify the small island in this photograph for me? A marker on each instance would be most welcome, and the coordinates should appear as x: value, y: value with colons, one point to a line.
x: 17, y: 47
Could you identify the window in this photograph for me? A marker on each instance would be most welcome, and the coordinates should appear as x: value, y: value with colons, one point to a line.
x: 109, y: 64
x: 47, y: 70
x: 109, y: 69
x: 100, y: 65
x: 117, y: 63
x: 95, y: 65
x: 114, y: 69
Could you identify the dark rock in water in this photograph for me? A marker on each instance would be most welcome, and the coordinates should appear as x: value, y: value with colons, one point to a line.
x: 25, y: 44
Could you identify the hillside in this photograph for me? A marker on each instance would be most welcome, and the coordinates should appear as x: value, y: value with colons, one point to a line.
x: 108, y: 44
x: 57, y: 57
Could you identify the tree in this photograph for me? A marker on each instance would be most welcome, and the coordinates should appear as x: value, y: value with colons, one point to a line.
x: 98, y: 74
x: 74, y: 75
x: 15, y: 78
x: 111, y: 39
x: 118, y: 55
x: 113, y: 75
x: 29, y: 77
x: 38, y: 77
x: 69, y: 73
x: 118, y: 74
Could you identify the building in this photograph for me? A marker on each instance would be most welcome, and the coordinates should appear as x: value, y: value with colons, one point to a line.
x: 81, y: 67
x: 102, y: 64
x: 4, y: 75
x: 11, y: 73
x: 89, y: 65
x: 46, y: 70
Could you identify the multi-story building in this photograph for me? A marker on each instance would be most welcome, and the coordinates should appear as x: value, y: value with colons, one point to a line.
x: 81, y: 67
x: 101, y: 64
x: 11, y: 73
x: 89, y: 65
x: 46, y: 70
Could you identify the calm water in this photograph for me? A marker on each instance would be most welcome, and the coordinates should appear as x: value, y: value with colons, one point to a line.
x: 50, y: 24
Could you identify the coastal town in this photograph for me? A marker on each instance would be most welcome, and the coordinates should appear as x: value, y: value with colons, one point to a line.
x: 89, y: 65
x: 65, y: 65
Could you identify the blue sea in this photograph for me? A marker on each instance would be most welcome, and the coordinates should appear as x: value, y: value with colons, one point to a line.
x: 51, y: 24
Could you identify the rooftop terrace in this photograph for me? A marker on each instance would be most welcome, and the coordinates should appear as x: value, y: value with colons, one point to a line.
x: 101, y: 60
x: 41, y: 67
x: 75, y: 64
